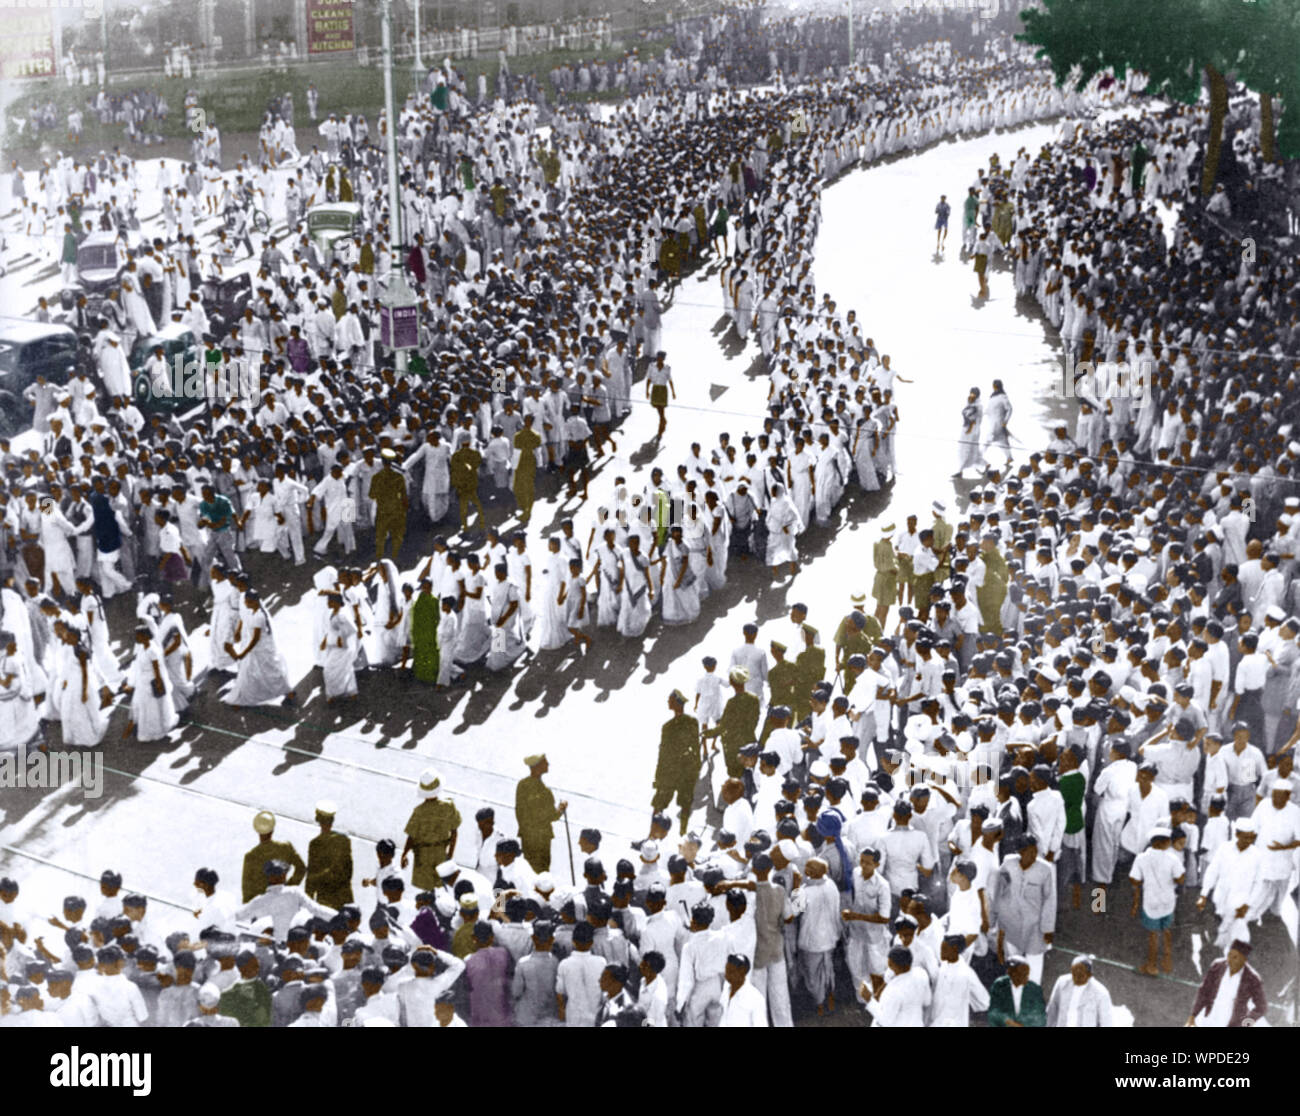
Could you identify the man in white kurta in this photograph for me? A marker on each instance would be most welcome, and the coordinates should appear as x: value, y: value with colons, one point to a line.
x: 906, y: 994
x: 957, y: 990
x: 1078, y: 1000
x: 1026, y: 906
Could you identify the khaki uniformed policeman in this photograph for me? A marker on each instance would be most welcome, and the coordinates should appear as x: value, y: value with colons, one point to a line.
x: 811, y: 669
x: 266, y: 850
x: 388, y: 491
x: 329, y: 861
x: 739, y: 723
x: 678, y: 769
x: 430, y: 833
x: 536, y: 813
x: 782, y: 683
x: 884, y: 588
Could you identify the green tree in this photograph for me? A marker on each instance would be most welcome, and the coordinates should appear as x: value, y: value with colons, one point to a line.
x: 1179, y: 45
x: 1271, y: 67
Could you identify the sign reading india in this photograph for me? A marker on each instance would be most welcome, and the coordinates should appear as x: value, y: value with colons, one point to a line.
x: 329, y: 26
x: 26, y: 43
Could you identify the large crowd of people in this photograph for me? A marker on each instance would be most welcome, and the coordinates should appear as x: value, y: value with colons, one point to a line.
x: 1087, y: 676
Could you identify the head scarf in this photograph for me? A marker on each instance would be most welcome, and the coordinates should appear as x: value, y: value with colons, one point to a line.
x: 829, y: 825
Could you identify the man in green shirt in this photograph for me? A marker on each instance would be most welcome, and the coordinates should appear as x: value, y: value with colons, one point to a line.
x: 329, y: 861
x: 69, y: 259
x: 1072, y: 786
x: 1004, y: 1011
x: 248, y: 999
x: 970, y: 209
x: 678, y: 769
x: 431, y: 833
x: 266, y: 850
x: 536, y: 813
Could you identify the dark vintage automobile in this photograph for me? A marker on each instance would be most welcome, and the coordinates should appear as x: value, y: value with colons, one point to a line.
x: 178, y: 343
x: 29, y: 350
x: 225, y: 300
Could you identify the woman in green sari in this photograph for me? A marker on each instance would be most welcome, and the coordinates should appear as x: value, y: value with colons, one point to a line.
x: 424, y: 634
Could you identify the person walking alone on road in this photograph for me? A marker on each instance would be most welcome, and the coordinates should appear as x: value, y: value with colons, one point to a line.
x: 941, y: 213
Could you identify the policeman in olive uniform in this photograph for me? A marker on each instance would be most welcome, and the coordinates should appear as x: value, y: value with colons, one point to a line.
x: 810, y: 668
x: 266, y: 850
x: 431, y: 833
x: 535, y: 813
x: 527, y: 442
x: 678, y: 769
x: 856, y: 635
x: 884, y: 587
x: 329, y: 861
x: 739, y: 723
x: 783, y: 682
x: 388, y: 491
x: 942, y: 542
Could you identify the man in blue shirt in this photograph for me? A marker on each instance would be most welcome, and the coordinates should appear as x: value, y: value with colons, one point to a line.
x: 218, y: 516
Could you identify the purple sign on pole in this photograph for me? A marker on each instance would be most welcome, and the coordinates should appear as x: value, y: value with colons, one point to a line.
x: 399, y: 327
x: 406, y: 327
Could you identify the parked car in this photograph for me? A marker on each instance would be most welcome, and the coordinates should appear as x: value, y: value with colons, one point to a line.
x: 176, y: 340
x: 331, y: 225
x: 224, y: 300
x: 100, y: 261
x: 28, y: 350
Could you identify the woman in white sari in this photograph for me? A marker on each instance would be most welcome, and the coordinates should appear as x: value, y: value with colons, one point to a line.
x: 681, y: 599
x: 19, y: 723
x: 695, y: 534
x: 635, y: 590
x: 174, y: 641
x: 969, y: 454
x: 783, y: 529
x: 85, y: 700
x: 608, y: 566
x: 92, y: 613
x: 325, y: 581
x: 506, y: 627
x: 225, y: 615
x: 153, y: 712
x: 448, y: 633
x: 552, y: 634
x: 338, y: 650
x: 16, y: 620
x: 718, y: 525
x: 389, y: 635
x: 799, y: 470
x: 263, y: 674
x: 830, y: 479
x: 475, y: 639
x: 866, y: 442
